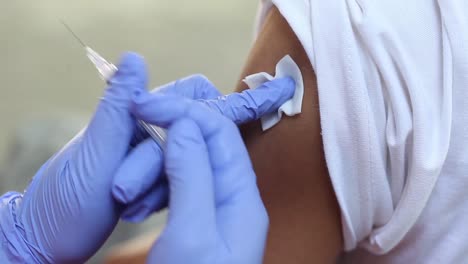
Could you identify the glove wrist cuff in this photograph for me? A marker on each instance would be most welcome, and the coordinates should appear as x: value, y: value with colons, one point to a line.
x: 14, y: 246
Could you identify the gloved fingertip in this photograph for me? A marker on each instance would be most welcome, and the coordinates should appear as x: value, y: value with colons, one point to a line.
x: 289, y: 79
x: 136, y: 215
x: 120, y: 194
x: 132, y: 66
x: 130, y: 60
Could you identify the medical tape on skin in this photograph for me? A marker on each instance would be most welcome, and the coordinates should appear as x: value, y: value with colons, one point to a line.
x: 286, y: 67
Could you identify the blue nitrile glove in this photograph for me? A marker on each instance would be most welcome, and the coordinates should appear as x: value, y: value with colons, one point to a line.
x: 216, y: 214
x: 139, y: 183
x: 68, y: 211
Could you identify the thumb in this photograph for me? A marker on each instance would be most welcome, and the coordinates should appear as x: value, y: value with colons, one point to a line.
x: 73, y: 204
x: 108, y: 135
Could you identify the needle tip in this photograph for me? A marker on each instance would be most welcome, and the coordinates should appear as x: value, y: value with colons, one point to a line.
x: 72, y: 32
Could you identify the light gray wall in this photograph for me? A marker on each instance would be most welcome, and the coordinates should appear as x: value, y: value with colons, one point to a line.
x: 43, y: 70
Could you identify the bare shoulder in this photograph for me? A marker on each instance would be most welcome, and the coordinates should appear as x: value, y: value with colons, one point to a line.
x: 289, y: 161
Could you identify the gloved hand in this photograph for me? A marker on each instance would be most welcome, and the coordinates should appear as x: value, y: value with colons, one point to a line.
x: 68, y: 210
x: 139, y: 182
x: 215, y: 211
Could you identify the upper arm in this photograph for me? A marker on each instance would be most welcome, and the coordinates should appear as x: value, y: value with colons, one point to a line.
x: 305, y: 224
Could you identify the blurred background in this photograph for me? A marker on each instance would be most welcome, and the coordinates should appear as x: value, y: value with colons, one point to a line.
x: 49, y: 89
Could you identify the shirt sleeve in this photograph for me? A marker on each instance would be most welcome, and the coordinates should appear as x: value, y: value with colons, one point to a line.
x: 385, y: 108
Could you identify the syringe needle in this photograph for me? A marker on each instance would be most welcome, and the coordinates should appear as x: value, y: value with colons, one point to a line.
x: 106, y: 71
x: 73, y: 33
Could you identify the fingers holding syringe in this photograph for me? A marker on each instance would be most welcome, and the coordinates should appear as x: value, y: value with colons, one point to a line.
x: 238, y: 107
x: 105, y: 140
x: 130, y: 184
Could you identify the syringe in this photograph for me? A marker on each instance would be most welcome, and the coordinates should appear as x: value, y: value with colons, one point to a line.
x: 106, y: 71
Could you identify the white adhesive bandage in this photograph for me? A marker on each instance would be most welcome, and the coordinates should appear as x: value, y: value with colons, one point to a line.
x: 286, y: 67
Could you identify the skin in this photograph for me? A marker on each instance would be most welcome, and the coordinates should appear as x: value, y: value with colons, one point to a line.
x: 288, y: 159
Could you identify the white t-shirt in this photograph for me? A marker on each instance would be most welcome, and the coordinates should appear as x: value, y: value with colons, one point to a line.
x: 392, y: 81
